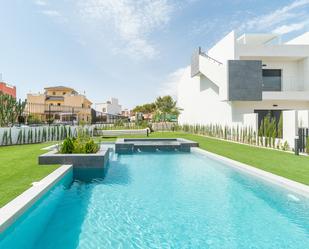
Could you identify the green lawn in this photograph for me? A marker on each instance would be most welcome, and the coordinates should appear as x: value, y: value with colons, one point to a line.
x: 278, y: 162
x: 19, y: 168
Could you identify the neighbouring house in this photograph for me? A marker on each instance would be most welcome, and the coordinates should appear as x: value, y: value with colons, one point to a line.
x: 111, y: 107
x: 126, y: 113
x: 8, y: 89
x: 60, y: 104
x: 242, y: 78
x: 109, y: 111
x: 148, y: 116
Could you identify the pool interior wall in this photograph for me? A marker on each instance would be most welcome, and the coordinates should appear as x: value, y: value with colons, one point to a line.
x: 24, y: 232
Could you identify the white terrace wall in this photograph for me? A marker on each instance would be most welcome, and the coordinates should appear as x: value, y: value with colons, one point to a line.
x: 292, y: 120
x: 290, y: 125
x: 303, y: 118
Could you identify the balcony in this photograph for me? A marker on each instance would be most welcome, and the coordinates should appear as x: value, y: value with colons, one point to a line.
x: 54, y: 98
x: 286, y: 95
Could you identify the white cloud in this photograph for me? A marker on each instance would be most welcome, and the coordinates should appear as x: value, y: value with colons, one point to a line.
x: 125, y: 26
x: 40, y: 2
x: 284, y: 29
x: 281, y: 20
x: 133, y: 21
x: 52, y: 13
x: 277, y: 17
x: 169, y: 86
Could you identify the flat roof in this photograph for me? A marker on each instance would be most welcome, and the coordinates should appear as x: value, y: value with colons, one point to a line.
x: 256, y: 39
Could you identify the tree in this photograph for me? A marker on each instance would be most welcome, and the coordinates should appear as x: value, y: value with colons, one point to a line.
x: 10, y: 109
x: 166, y: 106
x: 145, y: 109
x: 268, y: 130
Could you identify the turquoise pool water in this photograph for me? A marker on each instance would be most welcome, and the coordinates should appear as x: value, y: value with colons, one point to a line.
x: 168, y: 200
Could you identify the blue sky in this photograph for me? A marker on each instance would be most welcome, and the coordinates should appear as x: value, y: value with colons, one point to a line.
x: 134, y: 50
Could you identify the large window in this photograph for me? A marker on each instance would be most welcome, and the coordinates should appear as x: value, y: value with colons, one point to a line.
x: 271, y: 79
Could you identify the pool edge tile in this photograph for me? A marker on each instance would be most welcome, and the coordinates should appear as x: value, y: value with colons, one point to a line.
x: 15, y: 208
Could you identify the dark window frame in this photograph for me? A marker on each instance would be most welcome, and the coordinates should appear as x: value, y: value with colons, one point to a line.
x: 272, y: 72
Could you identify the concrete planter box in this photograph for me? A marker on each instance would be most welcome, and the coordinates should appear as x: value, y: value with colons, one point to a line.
x: 97, y: 160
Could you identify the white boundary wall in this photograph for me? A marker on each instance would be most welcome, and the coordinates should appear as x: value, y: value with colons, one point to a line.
x: 303, y: 118
x: 290, y: 125
x: 292, y: 120
x: 16, y: 130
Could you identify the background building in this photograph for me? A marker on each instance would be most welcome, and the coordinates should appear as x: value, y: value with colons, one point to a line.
x: 8, y: 89
x: 109, y: 111
x: 60, y: 104
x: 109, y: 107
x: 126, y: 113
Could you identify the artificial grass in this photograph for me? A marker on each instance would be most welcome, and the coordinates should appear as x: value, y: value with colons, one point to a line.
x: 278, y: 162
x: 19, y: 164
x: 19, y: 168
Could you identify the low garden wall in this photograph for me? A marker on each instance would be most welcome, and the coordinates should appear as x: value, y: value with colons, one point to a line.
x: 31, y: 135
x: 240, y: 134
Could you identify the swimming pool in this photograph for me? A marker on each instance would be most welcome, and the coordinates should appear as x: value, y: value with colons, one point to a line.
x: 165, y: 200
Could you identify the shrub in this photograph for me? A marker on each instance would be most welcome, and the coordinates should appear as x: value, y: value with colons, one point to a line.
x: 10, y: 137
x: 24, y: 136
x: 29, y: 136
x: 280, y: 127
x: 19, y: 137
x: 119, y: 123
x: 285, y: 146
x: 307, y: 147
x: 5, y: 138
x: 91, y: 147
x: 67, y: 146
x: 78, y: 147
x: 34, y: 119
x: 35, y: 135
x: 83, y: 144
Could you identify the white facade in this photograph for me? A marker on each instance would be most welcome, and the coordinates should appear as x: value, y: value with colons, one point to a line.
x: 205, y: 95
x: 111, y: 107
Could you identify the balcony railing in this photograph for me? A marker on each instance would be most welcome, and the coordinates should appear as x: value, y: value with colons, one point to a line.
x: 209, y: 57
x: 47, y: 108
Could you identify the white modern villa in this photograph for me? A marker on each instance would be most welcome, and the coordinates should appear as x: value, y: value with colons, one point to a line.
x: 110, y: 110
x: 109, y: 107
x: 241, y: 78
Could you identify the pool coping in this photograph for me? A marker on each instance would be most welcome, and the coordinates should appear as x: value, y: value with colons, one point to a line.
x: 15, y: 208
x: 130, y: 145
x: 281, y: 181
